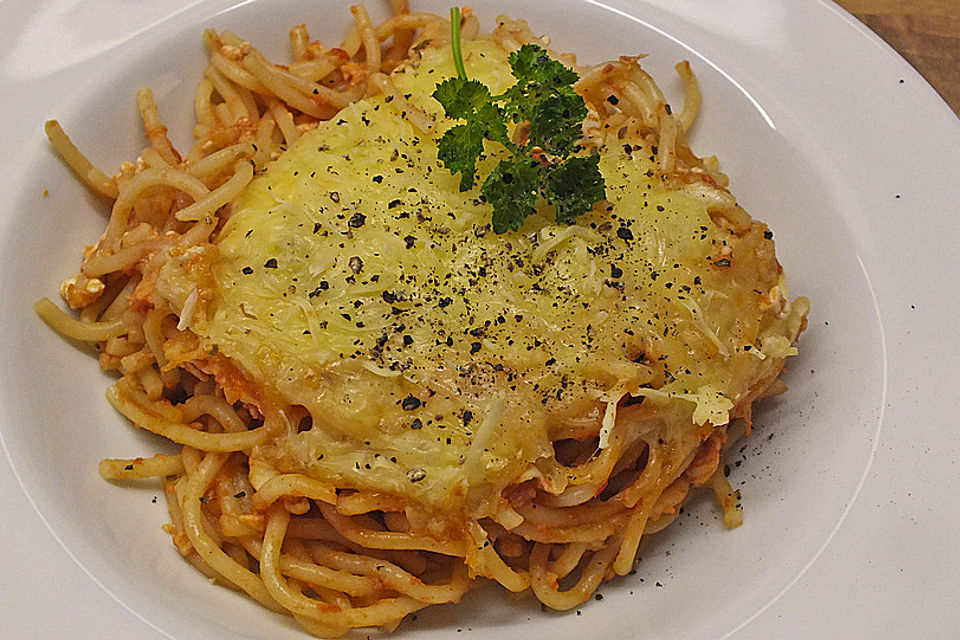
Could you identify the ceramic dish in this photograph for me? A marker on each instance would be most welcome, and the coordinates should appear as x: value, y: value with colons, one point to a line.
x: 849, y: 481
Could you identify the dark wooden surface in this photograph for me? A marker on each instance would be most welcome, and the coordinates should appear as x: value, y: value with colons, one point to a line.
x: 925, y: 32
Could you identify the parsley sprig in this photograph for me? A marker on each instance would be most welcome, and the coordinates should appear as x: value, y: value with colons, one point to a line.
x: 543, y: 166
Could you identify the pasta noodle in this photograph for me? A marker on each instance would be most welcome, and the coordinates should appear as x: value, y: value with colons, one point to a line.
x: 268, y: 494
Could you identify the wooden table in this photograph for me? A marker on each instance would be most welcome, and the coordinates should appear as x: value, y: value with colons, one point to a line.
x: 925, y: 32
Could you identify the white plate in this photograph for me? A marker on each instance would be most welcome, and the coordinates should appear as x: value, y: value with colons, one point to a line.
x: 849, y: 483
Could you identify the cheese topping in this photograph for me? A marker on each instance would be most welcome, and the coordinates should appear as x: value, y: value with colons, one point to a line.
x: 435, y: 356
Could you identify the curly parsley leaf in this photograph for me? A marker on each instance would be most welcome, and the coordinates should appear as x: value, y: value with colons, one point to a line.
x: 459, y: 149
x: 556, y: 122
x: 543, y: 94
x: 531, y: 64
x: 513, y: 188
x: 461, y: 99
x: 544, y: 98
x: 461, y: 146
x: 575, y: 186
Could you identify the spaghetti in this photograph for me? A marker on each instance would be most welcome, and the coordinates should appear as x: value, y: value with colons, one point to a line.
x: 379, y: 402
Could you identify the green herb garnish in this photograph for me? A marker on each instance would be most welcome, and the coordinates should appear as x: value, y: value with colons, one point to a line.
x: 543, y: 167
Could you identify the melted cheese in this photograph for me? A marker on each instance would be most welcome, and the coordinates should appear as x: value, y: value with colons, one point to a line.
x: 355, y: 279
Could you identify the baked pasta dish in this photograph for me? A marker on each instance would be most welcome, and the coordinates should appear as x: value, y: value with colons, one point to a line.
x: 385, y: 393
